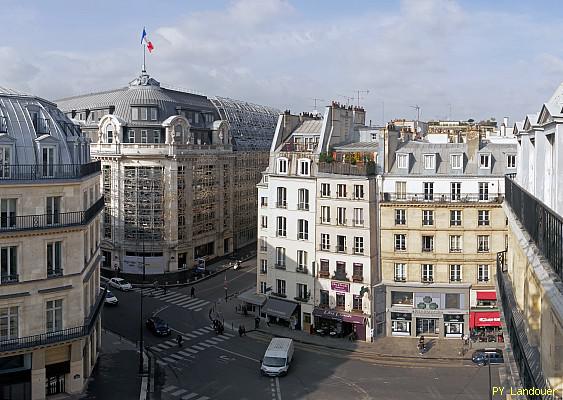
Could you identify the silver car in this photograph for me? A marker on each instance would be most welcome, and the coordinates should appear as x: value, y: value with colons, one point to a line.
x: 120, y: 283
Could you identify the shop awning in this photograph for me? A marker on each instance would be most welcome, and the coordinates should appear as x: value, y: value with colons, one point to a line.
x: 486, y: 295
x: 484, y: 318
x: 353, y: 319
x: 327, y: 313
x: 279, y: 308
x: 251, y: 297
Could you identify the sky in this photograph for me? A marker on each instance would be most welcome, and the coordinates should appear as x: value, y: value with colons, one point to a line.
x: 455, y: 59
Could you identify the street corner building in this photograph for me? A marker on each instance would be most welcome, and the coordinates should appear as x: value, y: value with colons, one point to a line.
x: 316, y: 223
x: 50, y: 222
x: 179, y: 172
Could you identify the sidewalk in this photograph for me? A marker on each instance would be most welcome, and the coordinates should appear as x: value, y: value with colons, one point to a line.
x: 116, y: 373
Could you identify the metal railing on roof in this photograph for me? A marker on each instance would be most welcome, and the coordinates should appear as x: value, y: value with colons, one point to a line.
x: 42, y: 126
x: 364, y: 169
x: 32, y: 172
x: 442, y: 197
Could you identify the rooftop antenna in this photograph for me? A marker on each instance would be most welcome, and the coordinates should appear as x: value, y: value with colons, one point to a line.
x: 358, y: 94
x: 315, y: 100
x: 348, y: 98
x: 417, y: 108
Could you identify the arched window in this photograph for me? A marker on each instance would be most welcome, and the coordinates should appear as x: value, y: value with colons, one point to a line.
x: 110, y: 131
x: 178, y: 130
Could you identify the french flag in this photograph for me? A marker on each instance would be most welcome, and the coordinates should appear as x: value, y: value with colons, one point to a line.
x: 145, y: 40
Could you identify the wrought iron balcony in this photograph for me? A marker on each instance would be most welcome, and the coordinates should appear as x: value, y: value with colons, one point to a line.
x: 42, y: 126
x: 303, y: 206
x: 324, y: 274
x: 12, y: 278
x: 441, y: 197
x: 302, y: 299
x: 279, y: 266
x: 543, y: 225
x: 54, y: 272
x: 52, y: 220
x: 282, y: 295
x: 281, y: 204
x: 340, y: 277
x: 357, y: 278
x: 302, y: 270
x: 33, y: 172
x: 400, y: 279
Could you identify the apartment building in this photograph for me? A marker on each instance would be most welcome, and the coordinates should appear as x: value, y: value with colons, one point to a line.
x: 317, y: 247
x: 441, y: 226
x: 530, y: 271
x: 179, y: 172
x: 50, y: 205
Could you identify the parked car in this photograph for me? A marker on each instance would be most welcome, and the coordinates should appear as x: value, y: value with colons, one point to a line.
x: 110, y: 298
x: 482, y: 356
x: 158, y: 326
x: 120, y: 283
x: 278, y: 357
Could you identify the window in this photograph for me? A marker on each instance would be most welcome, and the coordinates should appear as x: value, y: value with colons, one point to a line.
x: 301, y: 260
x: 303, y: 199
x: 263, y: 244
x: 282, y: 197
x: 53, y: 210
x: 427, y: 243
x: 429, y: 161
x: 455, y: 217
x: 304, y: 167
x: 510, y: 161
x: 280, y: 286
x: 341, y: 215
x: 358, y: 245
x: 325, y: 241
x: 54, y: 256
x: 340, y: 300
x: 144, y: 138
x: 5, y: 161
x: 153, y: 114
x: 54, y: 315
x: 263, y: 201
x: 264, y: 221
x: 483, y: 191
x: 131, y: 136
x: 109, y: 133
x: 358, y: 272
x: 302, y: 292
x: 263, y: 287
x: 358, y: 192
x: 357, y: 303
x: 324, y: 298
x: 302, y: 229
x: 483, y: 217
x: 400, y: 272
x: 9, y: 323
x: 135, y: 113
x: 455, y: 273
x: 263, y: 266
x: 340, y: 268
x: 325, y: 214
x: 280, y: 257
x: 455, y: 161
x: 428, y: 190
x: 402, y: 298
x: 455, y: 191
x: 427, y: 272
x: 8, y: 213
x: 400, y: 216
x: 400, y: 242
x: 455, y: 243
x: 341, y: 190
x: 8, y: 264
x: 427, y: 217
x: 482, y: 243
x: 358, y: 217
x: 325, y: 189
x: 156, y: 136
x: 144, y: 113
x: 401, y: 190
x: 48, y: 161
x: 482, y: 273
x: 282, y: 165
x: 281, y: 227
x: 484, y: 161
x: 402, y: 160
x: 340, y: 243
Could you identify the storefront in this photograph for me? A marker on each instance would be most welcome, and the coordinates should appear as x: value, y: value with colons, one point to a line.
x: 453, y: 325
x: 281, y: 312
x: 401, y: 324
x: 15, y: 377
x: 251, y: 302
x: 485, y: 325
x: 337, y: 324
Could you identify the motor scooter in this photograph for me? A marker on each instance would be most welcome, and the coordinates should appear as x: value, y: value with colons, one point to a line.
x: 237, y: 265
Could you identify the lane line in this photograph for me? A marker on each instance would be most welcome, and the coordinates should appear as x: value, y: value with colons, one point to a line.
x: 237, y: 354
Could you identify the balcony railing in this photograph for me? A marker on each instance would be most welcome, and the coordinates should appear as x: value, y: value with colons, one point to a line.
x: 33, y: 172
x: 42, y: 126
x: 340, y: 249
x: 339, y: 168
x: 58, y: 336
x: 53, y: 220
x: 282, y: 295
x: 358, y: 222
x: 302, y: 299
x: 542, y: 224
x: 442, y: 197
x: 12, y: 278
x: 54, y: 273
x: 281, y: 204
x: 357, y: 278
x: 279, y: 266
x: 324, y: 274
x: 303, y: 206
x: 340, y: 277
x: 400, y: 279
x: 302, y: 270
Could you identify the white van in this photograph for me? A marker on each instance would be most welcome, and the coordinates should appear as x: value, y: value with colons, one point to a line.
x: 277, y: 358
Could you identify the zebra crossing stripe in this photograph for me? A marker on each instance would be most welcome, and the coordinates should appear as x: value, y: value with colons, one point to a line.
x: 190, y: 335
x: 156, y: 349
x: 179, y: 392
x: 176, y: 356
x: 169, y: 297
x: 228, y: 334
x: 197, y: 304
x: 199, y: 333
x: 183, y: 302
x: 212, y: 342
x: 198, y: 309
x: 189, y: 396
x: 192, y: 350
x: 219, y: 338
x: 170, y: 343
x: 208, y: 329
x: 185, y: 354
x: 162, y: 346
x: 204, y: 344
x: 203, y: 398
x: 169, y: 388
x: 198, y: 347
x: 171, y: 360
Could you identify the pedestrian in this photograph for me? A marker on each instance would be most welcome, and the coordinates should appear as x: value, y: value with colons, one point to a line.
x: 244, y: 311
x: 268, y: 320
x: 243, y: 330
x: 192, y: 292
x: 165, y: 289
x: 256, y: 322
x: 179, y: 339
x: 240, y: 330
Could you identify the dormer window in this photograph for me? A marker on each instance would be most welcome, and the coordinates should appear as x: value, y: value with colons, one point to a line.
x: 402, y: 160
x: 5, y: 160
x: 282, y: 165
x: 485, y: 161
x: 144, y: 113
x: 110, y: 129
x: 304, y: 167
x: 511, y: 161
x: 178, y: 130
x: 429, y: 161
x: 456, y: 161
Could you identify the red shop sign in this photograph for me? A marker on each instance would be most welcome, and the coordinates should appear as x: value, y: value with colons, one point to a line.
x: 490, y: 318
x: 340, y: 286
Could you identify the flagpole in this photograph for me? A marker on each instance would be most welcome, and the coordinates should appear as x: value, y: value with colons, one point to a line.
x: 144, y: 60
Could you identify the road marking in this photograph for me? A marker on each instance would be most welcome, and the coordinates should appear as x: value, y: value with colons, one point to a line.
x: 198, y: 309
x: 206, y: 328
x: 204, y: 344
x: 159, y: 310
x: 184, y: 302
x: 169, y: 388
x: 176, y: 356
x: 156, y: 349
x: 162, y: 346
x: 212, y: 341
x: 191, y: 350
x: 203, y: 398
x: 228, y: 334
x: 171, y: 343
x: 198, y: 347
x: 174, y: 299
x: 185, y: 354
x: 278, y: 389
x: 189, y: 396
x: 219, y: 338
x: 199, y: 333
x: 190, y: 335
x: 169, y: 360
x: 179, y: 392
x: 237, y: 354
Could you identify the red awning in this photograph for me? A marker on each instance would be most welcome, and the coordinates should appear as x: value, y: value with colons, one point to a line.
x: 485, y: 318
x: 486, y: 295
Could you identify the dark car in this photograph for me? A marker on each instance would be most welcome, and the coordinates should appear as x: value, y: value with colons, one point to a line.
x: 158, y: 326
x: 482, y: 356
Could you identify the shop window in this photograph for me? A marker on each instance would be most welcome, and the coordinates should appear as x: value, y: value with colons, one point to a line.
x: 402, y: 298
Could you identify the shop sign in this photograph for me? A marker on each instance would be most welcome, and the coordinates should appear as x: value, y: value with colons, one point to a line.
x: 426, y: 312
x: 401, y: 316
x: 340, y: 286
x: 453, y: 318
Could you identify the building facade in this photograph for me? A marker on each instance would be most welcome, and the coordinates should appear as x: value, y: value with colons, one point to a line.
x: 441, y: 226
x: 50, y: 220
x: 178, y: 185
x: 530, y: 271
x: 316, y: 214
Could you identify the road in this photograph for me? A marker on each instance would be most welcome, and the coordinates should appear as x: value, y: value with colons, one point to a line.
x: 227, y: 367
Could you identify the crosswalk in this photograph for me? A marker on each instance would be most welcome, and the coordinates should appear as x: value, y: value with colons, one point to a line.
x: 176, y: 392
x: 178, y: 299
